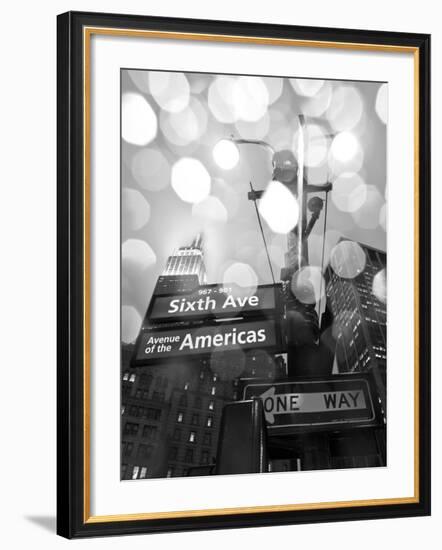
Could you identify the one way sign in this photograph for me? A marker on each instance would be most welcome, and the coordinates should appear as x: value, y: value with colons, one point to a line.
x: 319, y: 402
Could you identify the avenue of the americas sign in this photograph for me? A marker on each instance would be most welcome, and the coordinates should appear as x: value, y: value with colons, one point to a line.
x: 157, y: 345
x: 213, y: 301
x: 337, y: 400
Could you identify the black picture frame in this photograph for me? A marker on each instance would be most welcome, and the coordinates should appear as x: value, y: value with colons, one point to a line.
x: 73, y: 520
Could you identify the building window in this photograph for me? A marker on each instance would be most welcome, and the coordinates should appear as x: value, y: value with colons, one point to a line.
x: 214, y: 378
x: 183, y: 400
x: 173, y: 453
x: 123, y: 470
x: 202, y: 375
x: 170, y: 472
x: 198, y: 402
x: 132, y: 378
x: 209, y: 422
x: 186, y: 386
x: 207, y: 440
x: 192, y: 437
x: 131, y: 428
x: 128, y: 448
x: 158, y: 396
x: 126, y: 375
x: 213, y: 390
x: 150, y: 432
x: 123, y: 408
x: 195, y: 419
x: 204, y: 457
x: 144, y: 451
x: 135, y: 472
x: 143, y: 472
x: 211, y: 405
x: 180, y: 417
x: 153, y: 414
x: 188, y: 457
x: 138, y: 394
x: 235, y: 395
x: 177, y: 434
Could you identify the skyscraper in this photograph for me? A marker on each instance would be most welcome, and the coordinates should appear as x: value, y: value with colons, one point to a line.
x: 360, y: 319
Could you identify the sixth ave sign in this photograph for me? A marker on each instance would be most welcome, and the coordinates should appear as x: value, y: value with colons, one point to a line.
x: 291, y: 405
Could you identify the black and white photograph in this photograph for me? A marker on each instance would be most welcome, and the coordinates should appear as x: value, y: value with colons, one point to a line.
x: 253, y: 274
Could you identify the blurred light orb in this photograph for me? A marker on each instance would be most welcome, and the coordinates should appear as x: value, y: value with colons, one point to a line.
x: 244, y: 278
x: 315, y: 145
x: 250, y: 97
x: 230, y: 366
x: 138, y: 121
x: 198, y: 82
x: 141, y: 80
x: 306, y: 87
x: 254, y: 130
x: 308, y: 285
x: 210, y: 210
x: 383, y: 217
x: 186, y: 126
x: 150, y: 169
x: 344, y: 146
x: 279, y: 207
x: 170, y: 90
x: 226, y: 154
x: 137, y: 254
x: 190, y: 180
x: 381, y: 104
x: 348, y: 259
x: 318, y: 104
x: 367, y: 217
x: 280, y: 133
x: 130, y: 324
x: 135, y: 210
x: 346, y: 108
x: 379, y: 288
x: 274, y: 87
x: 220, y: 99
x: 349, y: 192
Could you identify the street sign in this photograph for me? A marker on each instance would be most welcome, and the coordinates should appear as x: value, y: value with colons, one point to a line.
x: 213, y: 301
x: 293, y: 404
x: 155, y: 345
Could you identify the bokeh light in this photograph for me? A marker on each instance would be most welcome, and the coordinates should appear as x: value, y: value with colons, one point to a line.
x: 306, y: 87
x: 221, y: 99
x: 226, y: 154
x: 244, y: 278
x: 150, y: 169
x: 346, y: 108
x: 349, y: 192
x: 137, y: 255
x: 254, y: 130
x: 318, y: 104
x: 344, y: 146
x: 348, y: 259
x: 379, y: 288
x: 250, y: 98
x: 274, y: 87
x: 383, y: 217
x: 170, y: 90
x: 135, y: 210
x: 210, y: 210
x: 367, y: 216
x: 190, y: 180
x: 228, y: 366
x: 381, y: 105
x: 315, y: 145
x: 130, y: 324
x: 186, y: 126
x: 308, y: 285
x: 279, y: 207
x: 138, y: 121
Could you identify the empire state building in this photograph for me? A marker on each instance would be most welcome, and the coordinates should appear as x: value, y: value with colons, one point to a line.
x: 184, y: 271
